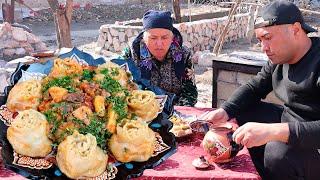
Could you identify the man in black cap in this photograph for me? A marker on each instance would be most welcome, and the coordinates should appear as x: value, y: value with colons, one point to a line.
x: 162, y: 60
x: 283, y: 140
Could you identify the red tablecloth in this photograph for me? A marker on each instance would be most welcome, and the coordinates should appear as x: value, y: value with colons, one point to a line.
x: 8, y: 174
x: 179, y: 166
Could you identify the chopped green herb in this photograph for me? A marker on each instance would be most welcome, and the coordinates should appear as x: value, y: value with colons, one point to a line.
x: 119, y: 105
x: 97, y: 129
x: 64, y: 82
x: 87, y: 75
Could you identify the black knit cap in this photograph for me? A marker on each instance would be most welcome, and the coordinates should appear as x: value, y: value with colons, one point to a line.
x: 157, y: 19
x: 281, y: 12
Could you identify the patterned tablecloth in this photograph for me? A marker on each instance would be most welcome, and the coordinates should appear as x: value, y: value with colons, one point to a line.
x: 8, y: 174
x: 179, y: 165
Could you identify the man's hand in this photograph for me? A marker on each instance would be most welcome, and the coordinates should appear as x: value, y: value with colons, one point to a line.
x: 217, y: 117
x: 256, y: 134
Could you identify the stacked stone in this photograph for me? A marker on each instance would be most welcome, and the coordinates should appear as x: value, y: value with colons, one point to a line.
x: 16, y: 42
x: 198, y: 35
x: 115, y: 38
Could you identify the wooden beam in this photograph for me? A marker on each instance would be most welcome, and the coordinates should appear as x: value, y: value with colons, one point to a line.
x: 218, y: 45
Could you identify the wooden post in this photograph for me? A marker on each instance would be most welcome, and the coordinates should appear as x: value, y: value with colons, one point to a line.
x: 176, y: 10
x: 250, y: 27
x: 8, y: 12
x: 62, y: 19
x: 218, y: 46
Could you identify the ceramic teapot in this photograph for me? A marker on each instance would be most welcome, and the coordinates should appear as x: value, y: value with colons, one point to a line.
x: 218, y: 144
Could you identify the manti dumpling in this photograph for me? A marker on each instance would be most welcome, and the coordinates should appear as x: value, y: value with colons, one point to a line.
x: 28, y: 134
x: 24, y: 95
x: 79, y: 156
x: 115, y: 71
x: 135, y: 141
x: 144, y: 104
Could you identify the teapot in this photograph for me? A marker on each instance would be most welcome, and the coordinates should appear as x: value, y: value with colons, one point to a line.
x: 218, y: 144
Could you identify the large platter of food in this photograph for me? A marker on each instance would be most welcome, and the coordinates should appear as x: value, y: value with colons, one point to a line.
x: 82, y: 121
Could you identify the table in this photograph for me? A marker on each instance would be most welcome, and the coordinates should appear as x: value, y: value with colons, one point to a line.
x: 8, y: 174
x: 178, y: 166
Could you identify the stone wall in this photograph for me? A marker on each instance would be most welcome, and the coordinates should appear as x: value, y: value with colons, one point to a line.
x: 16, y: 42
x: 229, y: 81
x: 197, y: 35
x: 40, y: 4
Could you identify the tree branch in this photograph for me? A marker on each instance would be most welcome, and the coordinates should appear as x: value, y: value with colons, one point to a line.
x: 54, y: 4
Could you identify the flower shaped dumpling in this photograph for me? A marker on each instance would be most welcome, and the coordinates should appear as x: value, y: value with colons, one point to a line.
x: 144, y: 104
x: 28, y: 134
x: 135, y: 141
x: 79, y: 156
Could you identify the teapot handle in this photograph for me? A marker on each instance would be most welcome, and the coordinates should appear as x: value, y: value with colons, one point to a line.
x: 235, y: 148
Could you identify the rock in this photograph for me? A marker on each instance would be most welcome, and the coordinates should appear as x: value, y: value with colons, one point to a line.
x: 116, y: 45
x: 109, y: 38
x: 19, y: 34
x: 9, y: 44
x: 195, y: 57
x: 128, y: 32
x: 121, y: 37
x: 114, y: 32
x: 101, y: 39
x: 205, y: 59
x: 8, y: 52
x: 31, y: 38
x: 108, y: 53
x: 20, y: 51
x: 188, y: 44
x: 41, y: 47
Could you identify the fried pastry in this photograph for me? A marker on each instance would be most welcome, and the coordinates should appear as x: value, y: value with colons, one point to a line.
x: 135, y: 141
x: 28, y: 134
x: 79, y: 156
x: 144, y: 104
x: 24, y: 95
x: 65, y: 67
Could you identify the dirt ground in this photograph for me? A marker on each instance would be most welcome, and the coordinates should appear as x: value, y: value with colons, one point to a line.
x: 87, y: 21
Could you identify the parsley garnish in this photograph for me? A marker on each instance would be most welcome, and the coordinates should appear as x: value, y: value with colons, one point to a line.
x: 119, y: 105
x: 64, y: 82
x: 97, y: 129
x: 87, y: 75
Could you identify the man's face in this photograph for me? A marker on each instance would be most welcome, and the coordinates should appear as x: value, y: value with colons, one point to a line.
x: 277, y: 42
x: 158, y: 41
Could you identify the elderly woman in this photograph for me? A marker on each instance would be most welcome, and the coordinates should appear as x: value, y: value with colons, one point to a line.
x: 162, y: 60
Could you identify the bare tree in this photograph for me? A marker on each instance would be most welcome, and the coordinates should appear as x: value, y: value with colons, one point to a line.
x: 62, y: 18
x: 176, y: 10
